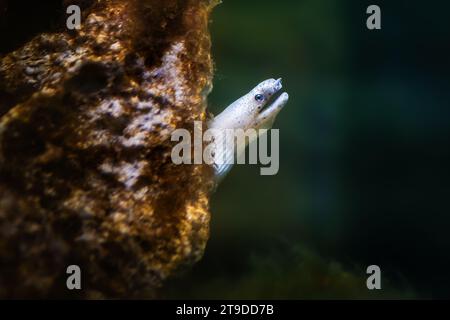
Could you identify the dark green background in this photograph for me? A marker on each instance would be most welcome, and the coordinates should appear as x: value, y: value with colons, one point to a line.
x: 364, y: 155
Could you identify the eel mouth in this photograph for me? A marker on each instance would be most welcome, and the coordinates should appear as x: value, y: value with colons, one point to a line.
x: 276, y: 101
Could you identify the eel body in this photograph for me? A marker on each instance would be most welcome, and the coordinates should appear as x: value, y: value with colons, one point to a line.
x: 255, y: 110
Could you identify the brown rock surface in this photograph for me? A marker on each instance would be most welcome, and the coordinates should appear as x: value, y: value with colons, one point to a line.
x: 86, y: 176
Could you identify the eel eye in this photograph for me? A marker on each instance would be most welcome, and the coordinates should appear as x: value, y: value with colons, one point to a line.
x: 259, y: 97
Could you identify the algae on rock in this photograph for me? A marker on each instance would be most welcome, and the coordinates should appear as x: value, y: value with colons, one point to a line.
x: 86, y: 176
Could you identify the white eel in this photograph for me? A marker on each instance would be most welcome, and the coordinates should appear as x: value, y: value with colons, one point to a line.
x: 253, y: 110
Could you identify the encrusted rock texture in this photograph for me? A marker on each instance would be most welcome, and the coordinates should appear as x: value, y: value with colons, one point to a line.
x: 86, y: 176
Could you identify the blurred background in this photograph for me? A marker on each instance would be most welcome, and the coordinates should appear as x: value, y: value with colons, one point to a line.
x: 364, y: 155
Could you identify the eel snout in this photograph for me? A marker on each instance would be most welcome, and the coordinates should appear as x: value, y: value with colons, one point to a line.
x: 278, y: 85
x: 273, y: 109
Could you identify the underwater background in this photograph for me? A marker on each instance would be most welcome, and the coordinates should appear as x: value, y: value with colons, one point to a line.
x: 364, y: 153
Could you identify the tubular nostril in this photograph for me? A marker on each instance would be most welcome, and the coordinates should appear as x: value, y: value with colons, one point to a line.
x: 278, y: 84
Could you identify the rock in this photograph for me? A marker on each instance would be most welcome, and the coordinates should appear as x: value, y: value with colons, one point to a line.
x: 86, y: 176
